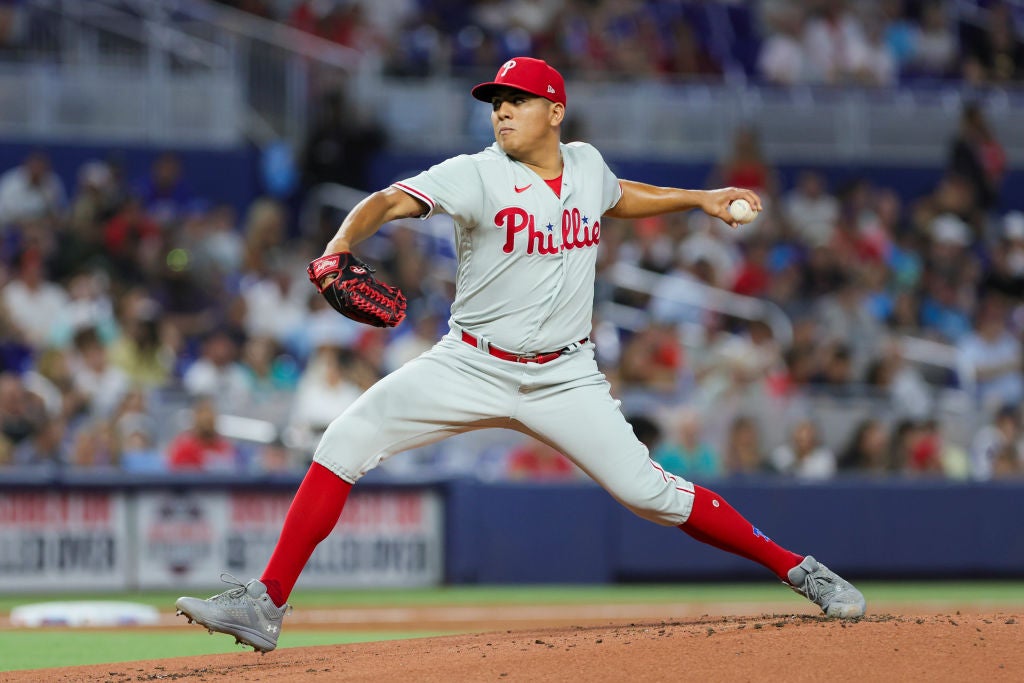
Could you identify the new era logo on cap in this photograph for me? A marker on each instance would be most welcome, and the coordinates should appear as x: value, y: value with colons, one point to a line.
x: 534, y: 76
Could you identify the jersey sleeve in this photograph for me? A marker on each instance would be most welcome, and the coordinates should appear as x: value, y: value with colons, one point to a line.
x: 452, y: 187
x: 611, y: 191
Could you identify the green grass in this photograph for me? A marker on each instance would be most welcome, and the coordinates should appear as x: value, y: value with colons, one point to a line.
x: 31, y: 649
x: 39, y: 649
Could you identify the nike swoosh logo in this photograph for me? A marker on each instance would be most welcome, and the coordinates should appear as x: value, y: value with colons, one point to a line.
x: 523, y: 189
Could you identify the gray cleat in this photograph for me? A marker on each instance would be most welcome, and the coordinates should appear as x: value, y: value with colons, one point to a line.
x: 245, y: 612
x: 829, y: 591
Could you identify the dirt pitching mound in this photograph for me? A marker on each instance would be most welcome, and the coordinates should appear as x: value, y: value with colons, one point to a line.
x: 768, y: 647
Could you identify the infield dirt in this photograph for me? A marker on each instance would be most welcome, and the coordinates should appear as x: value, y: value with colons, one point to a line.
x: 768, y: 647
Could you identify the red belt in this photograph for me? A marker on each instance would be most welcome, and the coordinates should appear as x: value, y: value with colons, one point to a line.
x: 540, y: 358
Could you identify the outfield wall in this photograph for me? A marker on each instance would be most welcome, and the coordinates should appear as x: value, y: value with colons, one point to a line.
x: 107, y: 534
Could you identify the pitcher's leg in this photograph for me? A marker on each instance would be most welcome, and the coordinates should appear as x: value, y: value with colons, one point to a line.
x: 585, y: 423
x: 442, y: 393
x: 715, y: 522
x: 314, y: 512
x: 591, y: 430
x: 392, y: 416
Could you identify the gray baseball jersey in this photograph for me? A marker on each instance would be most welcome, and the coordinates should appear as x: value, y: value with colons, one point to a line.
x: 526, y: 256
x: 525, y: 284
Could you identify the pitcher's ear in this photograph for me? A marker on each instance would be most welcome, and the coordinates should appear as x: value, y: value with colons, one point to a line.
x: 557, y: 113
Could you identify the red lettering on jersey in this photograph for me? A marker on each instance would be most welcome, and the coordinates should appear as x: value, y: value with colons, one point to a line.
x: 538, y: 236
x: 576, y: 233
x: 513, y: 219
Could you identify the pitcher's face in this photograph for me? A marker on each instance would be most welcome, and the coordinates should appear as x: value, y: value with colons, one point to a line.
x: 523, y: 122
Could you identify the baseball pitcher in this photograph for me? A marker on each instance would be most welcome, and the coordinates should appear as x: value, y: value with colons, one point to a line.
x: 527, y: 215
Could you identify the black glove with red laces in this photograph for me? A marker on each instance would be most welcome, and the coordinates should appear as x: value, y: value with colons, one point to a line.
x: 354, y: 292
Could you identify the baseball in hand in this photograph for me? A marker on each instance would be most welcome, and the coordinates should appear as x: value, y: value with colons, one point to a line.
x: 741, y: 212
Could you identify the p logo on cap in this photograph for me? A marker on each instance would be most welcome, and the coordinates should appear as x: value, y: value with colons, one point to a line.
x: 534, y: 76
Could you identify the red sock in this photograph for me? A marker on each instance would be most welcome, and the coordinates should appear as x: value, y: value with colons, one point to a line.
x: 311, y: 517
x: 715, y: 522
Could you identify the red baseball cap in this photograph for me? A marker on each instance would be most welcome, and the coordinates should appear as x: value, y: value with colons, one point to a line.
x: 534, y: 76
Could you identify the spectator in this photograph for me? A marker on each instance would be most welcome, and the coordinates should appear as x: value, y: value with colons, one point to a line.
x: 326, y: 388
x: 275, y: 303
x: 998, y: 447
x: 22, y: 413
x: 686, y: 453
x: 903, y: 436
x: 709, y: 253
x: 32, y: 301
x: 804, y: 456
x: 53, y: 380
x: 95, y: 446
x: 746, y: 166
x: 270, y: 370
x: 536, y: 461
x: 201, y: 447
x: 131, y: 240
x: 989, y: 359
x: 835, y: 370
x: 933, y: 454
x: 165, y: 193
x: 88, y: 306
x: 943, y: 312
x: 44, y: 448
x: 140, y: 351
x: 900, y: 30
x: 978, y: 157
x: 871, y: 62
x: 273, y: 458
x: 867, y: 450
x: 652, y: 360
x: 103, y: 384
x: 846, y: 319
x: 833, y: 39
x: 217, y: 372
x: 811, y: 211
x: 221, y: 248
x: 782, y: 60
x: 31, y: 191
x: 265, y: 235
x: 136, y: 432
x: 754, y: 276
x: 906, y: 389
x: 934, y: 49
x: 996, y: 55
x: 1005, y: 273
x: 96, y: 200
x: 743, y: 454
x: 325, y: 328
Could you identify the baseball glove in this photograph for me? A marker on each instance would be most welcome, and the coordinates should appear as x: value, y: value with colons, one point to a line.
x: 354, y: 292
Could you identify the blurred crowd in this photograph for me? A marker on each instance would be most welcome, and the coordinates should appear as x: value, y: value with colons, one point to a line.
x: 789, y: 42
x: 146, y: 329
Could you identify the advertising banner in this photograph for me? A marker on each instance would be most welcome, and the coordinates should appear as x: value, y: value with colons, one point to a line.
x: 387, y: 538
x: 62, y: 541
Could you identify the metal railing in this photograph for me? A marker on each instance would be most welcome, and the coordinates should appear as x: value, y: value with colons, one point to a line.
x: 693, y: 121
x: 198, y: 72
x: 182, y: 73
